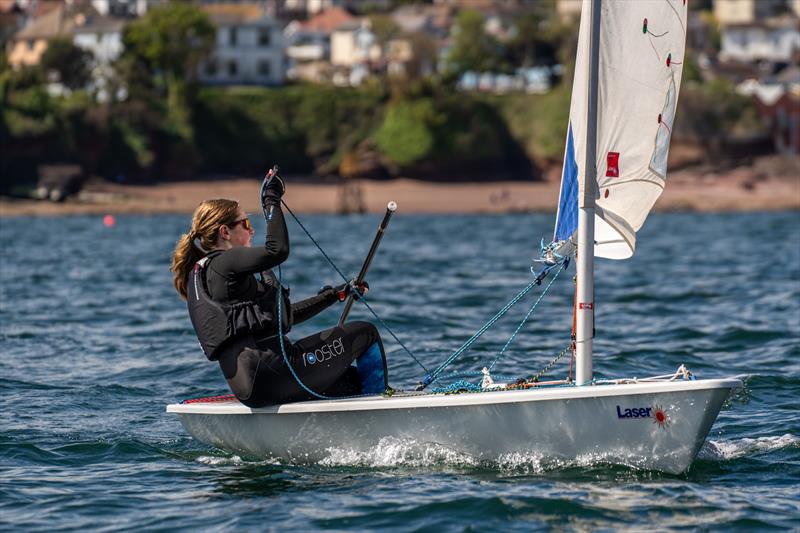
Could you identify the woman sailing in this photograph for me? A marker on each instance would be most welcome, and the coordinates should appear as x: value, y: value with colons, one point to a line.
x: 235, y: 314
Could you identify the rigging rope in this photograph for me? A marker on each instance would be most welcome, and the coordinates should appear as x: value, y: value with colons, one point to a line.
x: 433, y: 376
x: 527, y: 316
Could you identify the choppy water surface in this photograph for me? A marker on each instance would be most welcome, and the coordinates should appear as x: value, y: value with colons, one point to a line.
x: 95, y: 343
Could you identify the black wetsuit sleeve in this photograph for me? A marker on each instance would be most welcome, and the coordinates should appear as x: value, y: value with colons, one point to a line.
x: 243, y: 260
x: 310, y: 307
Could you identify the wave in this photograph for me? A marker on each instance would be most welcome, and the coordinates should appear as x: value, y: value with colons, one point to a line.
x: 746, y: 447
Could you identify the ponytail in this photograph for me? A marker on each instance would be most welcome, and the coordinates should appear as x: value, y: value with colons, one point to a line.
x: 183, y: 259
x: 201, y: 239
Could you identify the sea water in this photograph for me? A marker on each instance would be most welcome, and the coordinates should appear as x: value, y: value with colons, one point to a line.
x: 95, y: 342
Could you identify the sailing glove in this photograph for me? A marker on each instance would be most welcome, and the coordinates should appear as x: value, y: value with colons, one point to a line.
x: 272, y: 188
x: 346, y: 289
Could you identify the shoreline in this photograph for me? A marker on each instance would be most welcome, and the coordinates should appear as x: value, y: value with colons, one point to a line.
x: 737, y: 191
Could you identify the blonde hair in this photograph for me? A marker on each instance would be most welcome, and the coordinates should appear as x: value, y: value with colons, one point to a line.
x: 206, y: 221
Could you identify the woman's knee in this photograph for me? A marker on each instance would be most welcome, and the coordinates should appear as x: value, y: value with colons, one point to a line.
x: 364, y: 328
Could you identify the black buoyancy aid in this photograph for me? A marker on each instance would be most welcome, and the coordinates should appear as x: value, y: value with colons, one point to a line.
x: 217, y: 324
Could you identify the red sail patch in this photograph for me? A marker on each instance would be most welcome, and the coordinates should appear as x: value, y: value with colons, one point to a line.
x: 612, y: 165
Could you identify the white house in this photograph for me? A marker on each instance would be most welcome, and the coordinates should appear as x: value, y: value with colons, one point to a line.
x: 308, y: 44
x: 125, y: 8
x: 774, y: 41
x: 88, y: 29
x: 312, y: 7
x: 728, y: 12
x: 354, y: 50
x: 249, y: 48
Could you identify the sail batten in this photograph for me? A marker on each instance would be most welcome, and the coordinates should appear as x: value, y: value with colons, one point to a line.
x: 641, y: 48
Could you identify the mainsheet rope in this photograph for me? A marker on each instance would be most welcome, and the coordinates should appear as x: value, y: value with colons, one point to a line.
x: 360, y: 298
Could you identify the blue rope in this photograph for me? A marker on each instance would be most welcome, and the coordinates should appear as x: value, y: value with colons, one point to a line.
x: 433, y: 376
x: 279, y: 297
x: 458, y: 386
x: 524, y: 320
x: 283, y: 348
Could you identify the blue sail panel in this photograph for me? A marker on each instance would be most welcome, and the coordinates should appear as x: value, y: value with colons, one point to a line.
x: 567, y: 217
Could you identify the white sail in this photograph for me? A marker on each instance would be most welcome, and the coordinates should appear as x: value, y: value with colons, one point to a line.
x: 642, y: 46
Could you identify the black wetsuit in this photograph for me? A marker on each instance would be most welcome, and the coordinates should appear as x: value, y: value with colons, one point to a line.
x: 253, y: 363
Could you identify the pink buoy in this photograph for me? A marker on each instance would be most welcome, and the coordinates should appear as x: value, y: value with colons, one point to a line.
x: 109, y: 221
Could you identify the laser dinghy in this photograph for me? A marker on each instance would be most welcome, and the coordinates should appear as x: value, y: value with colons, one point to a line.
x: 625, y: 92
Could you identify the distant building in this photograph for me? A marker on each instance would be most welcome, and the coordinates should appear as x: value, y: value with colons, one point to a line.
x: 729, y: 12
x: 354, y: 51
x: 249, y: 47
x: 782, y: 117
x: 100, y: 35
x: 777, y: 40
x: 777, y: 100
x: 433, y: 20
x: 125, y: 8
x: 308, y: 44
x: 569, y: 9
x: 533, y: 80
x: 312, y: 7
x: 12, y: 18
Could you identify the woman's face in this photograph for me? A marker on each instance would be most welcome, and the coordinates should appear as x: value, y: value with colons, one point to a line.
x: 239, y: 232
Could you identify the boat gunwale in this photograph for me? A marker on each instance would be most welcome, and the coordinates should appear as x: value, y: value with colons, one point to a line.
x: 418, y: 401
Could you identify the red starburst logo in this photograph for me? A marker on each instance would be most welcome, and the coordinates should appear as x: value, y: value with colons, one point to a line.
x: 660, y: 417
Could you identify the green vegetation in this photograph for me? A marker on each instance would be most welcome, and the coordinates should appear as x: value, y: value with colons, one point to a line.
x: 167, y: 127
x: 70, y: 62
x: 170, y: 42
x: 710, y: 113
x: 473, y: 50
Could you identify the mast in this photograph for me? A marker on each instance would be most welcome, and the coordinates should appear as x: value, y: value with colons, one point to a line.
x: 584, y: 331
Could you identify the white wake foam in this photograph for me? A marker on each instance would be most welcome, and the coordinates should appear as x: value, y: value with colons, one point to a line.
x: 726, y: 450
x: 392, y: 451
x: 220, y: 461
x: 396, y: 452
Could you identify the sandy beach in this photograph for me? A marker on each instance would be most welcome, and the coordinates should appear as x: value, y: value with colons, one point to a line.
x: 686, y: 191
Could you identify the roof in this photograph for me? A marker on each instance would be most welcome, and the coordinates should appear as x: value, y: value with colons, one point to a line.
x: 778, y: 23
x: 350, y: 25
x: 65, y: 19
x: 328, y: 20
x: 233, y: 14
x: 9, y: 6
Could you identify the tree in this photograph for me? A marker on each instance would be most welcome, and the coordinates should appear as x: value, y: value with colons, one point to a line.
x: 172, y: 40
x: 425, y: 52
x: 71, y: 62
x: 406, y: 135
x: 384, y: 28
x: 473, y: 50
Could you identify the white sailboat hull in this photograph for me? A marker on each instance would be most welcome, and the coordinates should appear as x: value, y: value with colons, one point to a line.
x: 614, y: 423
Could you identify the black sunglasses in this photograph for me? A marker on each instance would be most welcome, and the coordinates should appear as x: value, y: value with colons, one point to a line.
x: 245, y: 222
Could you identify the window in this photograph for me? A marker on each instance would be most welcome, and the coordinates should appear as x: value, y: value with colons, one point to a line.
x: 264, y: 37
x: 264, y: 67
x: 232, y: 36
x: 233, y: 68
x: 211, y: 68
